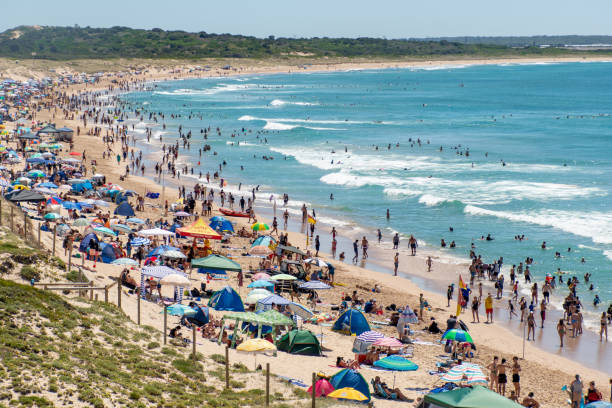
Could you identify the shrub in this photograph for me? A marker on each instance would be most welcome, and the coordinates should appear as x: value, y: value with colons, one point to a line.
x: 29, y: 272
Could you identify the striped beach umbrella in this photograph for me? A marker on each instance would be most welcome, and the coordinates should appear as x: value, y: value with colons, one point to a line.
x: 261, y: 284
x: 458, y: 335
x: 105, y: 231
x: 459, y: 372
x: 370, y: 336
x: 124, y: 261
x: 396, y: 363
x: 260, y: 226
x: 388, y: 342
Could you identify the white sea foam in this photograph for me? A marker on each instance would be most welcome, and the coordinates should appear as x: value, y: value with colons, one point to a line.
x: 220, y: 88
x: 595, y: 225
x: 280, y: 102
x: 278, y: 126
x: 317, y: 121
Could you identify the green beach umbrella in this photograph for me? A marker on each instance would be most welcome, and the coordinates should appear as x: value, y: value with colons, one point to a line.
x: 283, y: 276
x: 105, y: 231
x: 216, y: 262
x: 396, y: 363
x: 81, y: 222
x: 52, y: 216
x: 260, y: 226
x: 178, y: 309
x: 458, y: 335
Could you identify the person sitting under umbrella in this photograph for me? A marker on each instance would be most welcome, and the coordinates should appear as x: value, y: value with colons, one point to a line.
x: 381, y: 389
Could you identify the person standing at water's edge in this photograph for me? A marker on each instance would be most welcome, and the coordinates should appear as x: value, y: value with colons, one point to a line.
x: 395, y: 263
x: 412, y: 243
x: 429, y: 263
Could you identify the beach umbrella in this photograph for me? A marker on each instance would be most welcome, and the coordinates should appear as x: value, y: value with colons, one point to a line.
x: 217, y: 262
x: 174, y: 279
x: 396, y: 363
x: 124, y: 261
x: 23, y: 180
x: 261, y: 276
x: 81, y: 222
x: 347, y: 393
x: 43, y: 190
x: 54, y: 201
x: 300, y: 310
x: 322, y: 388
x: 458, y: 335
x: 316, y: 261
x: 370, y: 336
x: 69, y: 205
x: 257, y: 294
x: 173, y: 254
x: 457, y: 373
x: 155, y: 232
x: 105, y: 231
x: 139, y: 241
x: 274, y: 300
x: 260, y: 226
x: 599, y: 404
x: 260, y: 250
x: 178, y: 309
x: 256, y: 346
x: 135, y: 220
x: 182, y: 214
x: 315, y: 285
x: 283, y: 276
x: 389, y: 342
x: 121, y: 227
x: 261, y: 284
x: 101, y: 203
x: 36, y: 174
x: 52, y: 216
x: 218, y: 218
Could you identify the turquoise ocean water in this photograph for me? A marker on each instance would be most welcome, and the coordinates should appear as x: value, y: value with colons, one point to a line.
x: 550, y: 124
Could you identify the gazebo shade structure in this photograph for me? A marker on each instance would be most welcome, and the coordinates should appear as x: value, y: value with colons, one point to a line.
x: 199, y: 229
x: 217, y: 262
x: 268, y: 318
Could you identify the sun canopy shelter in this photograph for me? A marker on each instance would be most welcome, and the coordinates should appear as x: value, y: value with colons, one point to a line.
x: 198, y: 229
x: 348, y: 378
x: 27, y: 196
x: 217, y: 262
x: 293, y: 249
x: 159, y: 272
x: 351, y: 322
x: 226, y: 299
x: 268, y: 318
x: 475, y: 397
x: 300, y: 342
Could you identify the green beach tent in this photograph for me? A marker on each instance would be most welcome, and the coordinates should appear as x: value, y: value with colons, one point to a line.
x: 216, y: 262
x: 475, y: 397
x: 300, y: 342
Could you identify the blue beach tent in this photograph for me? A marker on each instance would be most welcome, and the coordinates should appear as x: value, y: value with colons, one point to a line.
x: 226, y: 299
x: 351, y: 379
x: 125, y: 209
x: 107, y: 252
x: 351, y: 322
x: 84, y: 245
x: 219, y: 225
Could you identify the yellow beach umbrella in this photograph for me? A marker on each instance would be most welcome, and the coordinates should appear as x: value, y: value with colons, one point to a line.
x: 347, y: 394
x: 256, y: 346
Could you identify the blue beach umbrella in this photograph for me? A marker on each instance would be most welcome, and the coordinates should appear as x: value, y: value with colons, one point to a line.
x: 178, y: 309
x: 135, y: 220
x: 261, y: 284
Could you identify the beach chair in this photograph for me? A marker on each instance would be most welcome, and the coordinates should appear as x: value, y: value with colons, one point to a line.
x: 379, y: 391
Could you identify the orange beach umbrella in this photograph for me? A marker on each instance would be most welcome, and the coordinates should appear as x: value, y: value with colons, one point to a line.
x: 198, y: 229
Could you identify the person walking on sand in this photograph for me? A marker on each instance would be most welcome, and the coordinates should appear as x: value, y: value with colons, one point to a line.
x: 575, y: 391
x: 275, y: 227
x: 395, y: 263
x: 334, y: 243
x: 429, y: 263
x: 489, y: 308
x: 604, y: 327
x: 396, y: 241
x: 543, y: 311
x: 561, y: 330
x: 364, y: 248
x: 317, y: 245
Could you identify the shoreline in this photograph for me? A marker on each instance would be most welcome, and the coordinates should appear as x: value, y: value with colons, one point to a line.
x: 499, y: 338
x: 410, y: 268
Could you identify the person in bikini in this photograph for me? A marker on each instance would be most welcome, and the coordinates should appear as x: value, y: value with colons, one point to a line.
x: 493, y: 373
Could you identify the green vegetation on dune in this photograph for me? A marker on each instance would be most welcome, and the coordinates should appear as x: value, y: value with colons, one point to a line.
x: 54, y: 353
x: 62, y: 43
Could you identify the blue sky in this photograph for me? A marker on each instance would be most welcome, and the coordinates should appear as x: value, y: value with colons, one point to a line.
x: 332, y: 18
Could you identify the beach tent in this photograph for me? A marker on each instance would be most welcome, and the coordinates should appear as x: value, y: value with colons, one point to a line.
x: 199, y: 229
x: 216, y: 262
x: 351, y: 322
x: 108, y: 252
x: 80, y: 187
x: 84, y: 245
x: 201, y: 315
x: 264, y: 240
x: 348, y: 378
x: 124, y: 209
x: 226, y: 299
x: 475, y: 397
x: 300, y: 342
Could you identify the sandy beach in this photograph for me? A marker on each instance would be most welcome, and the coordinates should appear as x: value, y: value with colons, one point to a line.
x: 543, y: 372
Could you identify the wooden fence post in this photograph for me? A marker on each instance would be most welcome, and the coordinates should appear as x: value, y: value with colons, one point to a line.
x: 314, y: 382
x: 69, y: 258
x: 106, y: 294
x: 138, y: 307
x: 91, y: 284
x: 165, y: 322
x: 39, y: 226
x: 12, y: 226
x: 227, y: 367
x: 119, y: 293
x: 267, y: 384
x: 54, y: 235
x: 25, y: 225
x: 193, y: 327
